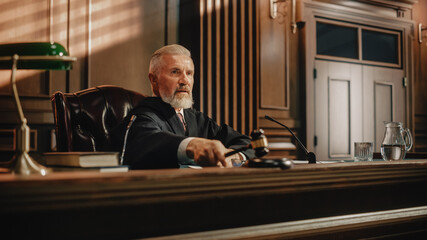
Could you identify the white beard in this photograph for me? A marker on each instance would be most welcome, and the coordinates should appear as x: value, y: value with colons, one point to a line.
x: 178, y: 100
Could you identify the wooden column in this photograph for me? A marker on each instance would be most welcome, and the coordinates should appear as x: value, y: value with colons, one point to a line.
x: 228, y: 51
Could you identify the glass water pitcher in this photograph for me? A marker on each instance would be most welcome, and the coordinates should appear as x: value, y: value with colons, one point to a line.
x: 397, y: 141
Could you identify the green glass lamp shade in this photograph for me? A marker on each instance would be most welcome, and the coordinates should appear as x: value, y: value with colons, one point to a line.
x: 36, y: 55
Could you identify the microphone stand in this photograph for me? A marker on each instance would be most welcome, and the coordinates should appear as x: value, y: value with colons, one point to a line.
x: 309, y: 156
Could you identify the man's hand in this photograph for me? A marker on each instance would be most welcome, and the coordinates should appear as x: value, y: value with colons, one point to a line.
x: 207, y: 152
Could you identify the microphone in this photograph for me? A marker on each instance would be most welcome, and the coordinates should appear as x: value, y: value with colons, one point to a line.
x: 309, y: 156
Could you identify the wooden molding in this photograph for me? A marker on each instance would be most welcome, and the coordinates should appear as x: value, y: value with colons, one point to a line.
x: 149, y: 203
x: 319, y: 228
x: 391, y: 4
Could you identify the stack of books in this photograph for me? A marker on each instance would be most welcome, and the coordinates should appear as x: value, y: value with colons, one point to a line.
x: 96, y: 161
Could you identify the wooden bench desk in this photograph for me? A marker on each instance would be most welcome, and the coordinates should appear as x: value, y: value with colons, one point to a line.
x: 309, y: 201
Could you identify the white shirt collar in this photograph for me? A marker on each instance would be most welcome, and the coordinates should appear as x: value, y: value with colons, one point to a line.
x: 180, y: 111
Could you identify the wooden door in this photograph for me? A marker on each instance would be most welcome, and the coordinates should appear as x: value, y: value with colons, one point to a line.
x: 338, y: 109
x: 383, y: 100
x: 352, y: 101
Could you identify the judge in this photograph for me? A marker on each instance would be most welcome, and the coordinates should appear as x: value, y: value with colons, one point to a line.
x: 164, y: 131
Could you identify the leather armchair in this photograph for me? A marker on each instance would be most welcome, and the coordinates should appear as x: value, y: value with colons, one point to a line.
x: 84, y: 120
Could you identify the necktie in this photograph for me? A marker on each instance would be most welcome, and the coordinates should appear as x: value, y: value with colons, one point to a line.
x: 182, y: 121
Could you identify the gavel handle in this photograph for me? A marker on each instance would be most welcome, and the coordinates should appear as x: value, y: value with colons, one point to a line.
x: 236, y: 151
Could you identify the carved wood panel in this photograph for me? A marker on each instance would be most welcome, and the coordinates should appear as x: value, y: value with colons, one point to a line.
x: 274, y: 64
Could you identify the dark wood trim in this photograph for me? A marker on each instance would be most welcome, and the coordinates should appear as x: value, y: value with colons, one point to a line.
x: 235, y: 109
x: 226, y: 62
x: 209, y: 9
x: 258, y: 61
x: 242, y: 66
x: 338, y: 227
x: 202, y: 47
x: 399, y: 4
x: 218, y: 60
x: 150, y: 203
x: 251, y: 70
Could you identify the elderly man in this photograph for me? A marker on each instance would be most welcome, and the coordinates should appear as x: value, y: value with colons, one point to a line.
x: 165, y: 132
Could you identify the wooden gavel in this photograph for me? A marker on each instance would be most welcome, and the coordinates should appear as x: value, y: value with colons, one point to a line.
x: 258, y: 143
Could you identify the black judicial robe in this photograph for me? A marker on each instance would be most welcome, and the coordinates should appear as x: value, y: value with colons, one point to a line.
x: 157, y: 131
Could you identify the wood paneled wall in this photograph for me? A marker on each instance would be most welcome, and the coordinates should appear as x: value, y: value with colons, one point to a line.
x: 420, y: 80
x: 22, y: 21
x: 242, y: 58
x: 228, y: 68
x: 112, y: 40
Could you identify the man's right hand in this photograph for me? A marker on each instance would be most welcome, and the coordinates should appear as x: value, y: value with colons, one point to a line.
x: 207, y: 152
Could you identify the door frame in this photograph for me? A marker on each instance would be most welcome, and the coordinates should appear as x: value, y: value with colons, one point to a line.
x: 310, y: 11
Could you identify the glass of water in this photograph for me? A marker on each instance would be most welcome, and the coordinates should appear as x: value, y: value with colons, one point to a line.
x: 363, y: 151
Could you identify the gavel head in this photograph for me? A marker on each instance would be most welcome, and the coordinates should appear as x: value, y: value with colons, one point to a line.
x: 259, y: 143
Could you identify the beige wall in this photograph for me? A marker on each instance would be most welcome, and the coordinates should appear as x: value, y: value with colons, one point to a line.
x: 124, y: 34
x: 112, y: 39
x: 23, y: 21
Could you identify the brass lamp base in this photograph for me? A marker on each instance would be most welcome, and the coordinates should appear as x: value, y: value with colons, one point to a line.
x: 24, y: 164
x: 21, y: 162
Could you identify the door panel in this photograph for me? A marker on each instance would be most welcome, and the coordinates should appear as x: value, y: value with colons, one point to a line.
x: 338, y: 109
x: 339, y: 118
x: 383, y: 110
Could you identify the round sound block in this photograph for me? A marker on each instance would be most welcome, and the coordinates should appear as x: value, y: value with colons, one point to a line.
x: 282, y: 163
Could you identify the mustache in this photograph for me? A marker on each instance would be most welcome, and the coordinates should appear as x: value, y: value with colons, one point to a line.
x: 183, y: 88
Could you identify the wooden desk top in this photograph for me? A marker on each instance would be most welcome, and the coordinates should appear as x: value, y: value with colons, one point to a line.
x: 159, y: 202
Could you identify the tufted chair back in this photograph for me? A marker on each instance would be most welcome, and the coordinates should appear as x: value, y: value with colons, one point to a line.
x: 85, y: 119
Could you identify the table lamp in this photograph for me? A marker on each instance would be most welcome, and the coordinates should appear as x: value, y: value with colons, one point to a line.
x: 33, y: 55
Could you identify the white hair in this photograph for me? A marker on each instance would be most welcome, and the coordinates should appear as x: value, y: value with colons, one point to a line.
x: 173, y: 49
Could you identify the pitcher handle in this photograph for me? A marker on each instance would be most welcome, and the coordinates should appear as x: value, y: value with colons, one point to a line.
x: 409, y: 139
